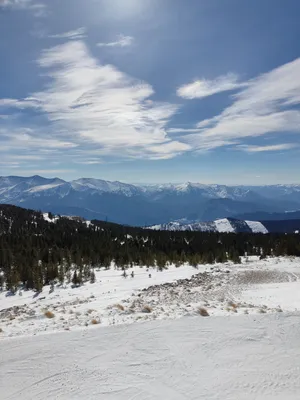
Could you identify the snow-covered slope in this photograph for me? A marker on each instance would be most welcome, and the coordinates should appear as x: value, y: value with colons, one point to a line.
x: 220, y: 225
x: 224, y: 225
x: 256, y: 227
x: 244, y: 358
x: 246, y: 348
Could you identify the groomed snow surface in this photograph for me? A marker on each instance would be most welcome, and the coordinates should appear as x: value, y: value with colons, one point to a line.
x: 256, y: 227
x: 150, y: 341
x: 224, y: 225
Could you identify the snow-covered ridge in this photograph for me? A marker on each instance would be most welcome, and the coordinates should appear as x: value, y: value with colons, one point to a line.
x: 140, y: 205
x: 36, y: 184
x: 220, y: 225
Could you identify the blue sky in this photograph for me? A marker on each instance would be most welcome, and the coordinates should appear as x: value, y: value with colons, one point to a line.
x: 148, y: 91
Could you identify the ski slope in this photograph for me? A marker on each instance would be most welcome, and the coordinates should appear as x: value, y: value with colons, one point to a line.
x: 245, y: 358
x: 248, y: 347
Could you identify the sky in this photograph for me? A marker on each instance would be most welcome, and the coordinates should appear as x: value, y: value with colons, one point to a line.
x: 151, y: 91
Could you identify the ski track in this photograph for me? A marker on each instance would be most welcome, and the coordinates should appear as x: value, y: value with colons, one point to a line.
x: 250, y: 357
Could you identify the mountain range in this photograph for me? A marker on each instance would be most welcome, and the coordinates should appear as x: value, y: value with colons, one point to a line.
x: 142, y: 205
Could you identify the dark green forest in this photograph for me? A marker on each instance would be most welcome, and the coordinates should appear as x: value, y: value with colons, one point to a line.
x: 35, y: 252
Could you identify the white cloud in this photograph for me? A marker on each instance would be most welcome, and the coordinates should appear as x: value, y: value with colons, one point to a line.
x: 38, y: 9
x: 25, y: 138
x: 45, y: 171
x: 76, y: 34
x: 98, y: 108
x: 275, y: 147
x: 204, y: 87
x: 260, y: 108
x: 122, y: 41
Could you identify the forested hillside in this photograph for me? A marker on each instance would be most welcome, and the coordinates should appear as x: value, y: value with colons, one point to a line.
x: 36, y: 248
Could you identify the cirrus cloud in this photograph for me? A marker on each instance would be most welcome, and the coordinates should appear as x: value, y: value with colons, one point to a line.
x: 38, y: 9
x: 267, y: 104
x: 98, y: 108
x: 122, y: 41
x: 201, y: 88
x: 75, y: 34
x: 274, y: 147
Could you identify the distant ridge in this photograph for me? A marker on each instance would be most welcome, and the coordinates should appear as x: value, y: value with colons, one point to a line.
x: 150, y: 205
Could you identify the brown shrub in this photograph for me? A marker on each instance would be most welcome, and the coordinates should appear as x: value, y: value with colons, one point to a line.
x: 147, y: 309
x: 95, y: 321
x: 203, y: 312
x: 49, y: 314
x: 232, y: 304
x: 120, y: 307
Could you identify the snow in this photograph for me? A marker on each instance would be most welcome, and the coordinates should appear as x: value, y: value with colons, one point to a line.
x: 104, y: 186
x: 172, y: 352
x: 220, y: 225
x: 254, y: 287
x: 72, y: 306
x: 285, y: 295
x: 46, y: 218
x: 42, y: 188
x: 223, y: 225
x: 251, y: 357
x: 256, y: 227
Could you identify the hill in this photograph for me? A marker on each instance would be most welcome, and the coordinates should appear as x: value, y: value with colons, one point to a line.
x: 233, y: 225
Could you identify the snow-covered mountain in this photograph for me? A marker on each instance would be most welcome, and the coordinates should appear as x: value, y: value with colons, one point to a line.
x: 220, y: 225
x: 147, y: 205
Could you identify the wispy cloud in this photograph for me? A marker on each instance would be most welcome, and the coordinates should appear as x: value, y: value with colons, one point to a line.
x: 96, y: 108
x: 38, y: 9
x: 122, y: 41
x: 76, y: 34
x: 275, y: 147
x: 267, y: 104
x: 203, y: 87
x: 49, y: 172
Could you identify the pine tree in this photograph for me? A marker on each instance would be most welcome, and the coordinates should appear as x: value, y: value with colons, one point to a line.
x: 92, y: 277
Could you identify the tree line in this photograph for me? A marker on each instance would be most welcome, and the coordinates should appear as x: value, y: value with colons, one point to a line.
x: 35, y: 251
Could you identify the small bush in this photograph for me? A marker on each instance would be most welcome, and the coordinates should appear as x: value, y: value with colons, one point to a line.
x: 262, y: 311
x: 1, y: 330
x: 232, y: 304
x: 203, y: 312
x: 95, y: 321
x: 120, y: 307
x: 49, y: 314
x: 147, y: 309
